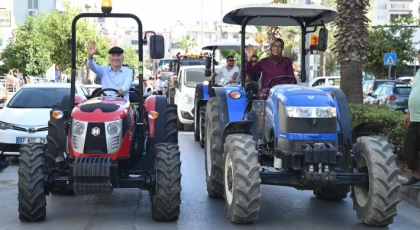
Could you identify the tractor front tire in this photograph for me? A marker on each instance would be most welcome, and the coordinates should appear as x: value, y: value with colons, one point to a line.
x: 171, y: 131
x: 213, y: 151
x: 166, y: 198
x: 241, y: 179
x: 376, y: 203
x: 171, y: 99
x: 202, y: 125
x: 31, y: 196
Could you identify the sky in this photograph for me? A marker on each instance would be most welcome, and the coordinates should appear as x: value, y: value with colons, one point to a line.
x: 159, y: 14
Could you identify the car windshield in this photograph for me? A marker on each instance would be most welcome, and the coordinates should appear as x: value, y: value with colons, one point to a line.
x: 194, y: 76
x: 402, y: 90
x: 37, y: 97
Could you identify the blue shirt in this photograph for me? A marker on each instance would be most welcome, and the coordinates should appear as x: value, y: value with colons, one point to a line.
x: 110, y: 79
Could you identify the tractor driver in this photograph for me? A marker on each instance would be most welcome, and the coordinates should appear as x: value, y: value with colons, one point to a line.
x: 230, y: 72
x: 272, y: 66
x: 114, y: 76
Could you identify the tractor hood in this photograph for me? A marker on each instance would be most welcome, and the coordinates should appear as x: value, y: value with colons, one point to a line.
x: 297, y: 95
x: 101, y: 109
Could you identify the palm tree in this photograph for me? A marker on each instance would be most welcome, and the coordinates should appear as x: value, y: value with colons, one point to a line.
x: 350, y: 45
x: 187, y: 42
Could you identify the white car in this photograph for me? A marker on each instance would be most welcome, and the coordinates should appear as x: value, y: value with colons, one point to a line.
x: 24, y: 118
x: 188, y: 78
x: 333, y: 81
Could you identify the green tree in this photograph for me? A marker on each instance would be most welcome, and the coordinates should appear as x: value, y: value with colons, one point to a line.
x: 350, y: 44
x: 397, y: 38
x: 131, y: 57
x: 26, y: 50
x: 187, y: 42
x: 56, y: 31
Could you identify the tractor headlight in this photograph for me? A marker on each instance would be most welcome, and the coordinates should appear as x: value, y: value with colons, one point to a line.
x: 114, y: 128
x: 311, y: 112
x: 187, y: 99
x: 78, y: 128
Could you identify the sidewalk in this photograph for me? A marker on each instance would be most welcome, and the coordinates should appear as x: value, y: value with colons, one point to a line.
x: 409, y: 194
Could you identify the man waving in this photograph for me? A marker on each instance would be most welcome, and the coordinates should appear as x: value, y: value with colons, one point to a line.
x: 114, y: 76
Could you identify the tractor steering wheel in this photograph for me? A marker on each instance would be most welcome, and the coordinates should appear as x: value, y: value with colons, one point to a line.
x: 103, y: 90
x: 290, y: 80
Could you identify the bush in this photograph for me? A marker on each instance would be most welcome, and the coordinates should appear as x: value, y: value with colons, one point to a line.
x: 392, y: 118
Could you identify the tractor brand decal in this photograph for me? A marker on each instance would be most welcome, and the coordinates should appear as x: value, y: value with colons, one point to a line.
x: 96, y: 131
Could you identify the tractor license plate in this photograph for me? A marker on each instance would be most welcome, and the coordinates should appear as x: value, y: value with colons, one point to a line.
x: 29, y: 140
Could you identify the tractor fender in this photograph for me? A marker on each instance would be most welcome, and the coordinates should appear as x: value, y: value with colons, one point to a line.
x: 230, y: 110
x: 367, y: 129
x: 156, y: 127
x: 240, y: 127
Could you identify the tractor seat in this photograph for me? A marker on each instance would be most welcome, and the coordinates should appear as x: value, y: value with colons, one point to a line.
x: 134, y: 97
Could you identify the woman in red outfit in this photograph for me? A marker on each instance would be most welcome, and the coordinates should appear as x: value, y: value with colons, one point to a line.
x: 273, y: 65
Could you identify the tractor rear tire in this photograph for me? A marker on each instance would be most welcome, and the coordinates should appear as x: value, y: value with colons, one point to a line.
x: 31, y: 196
x: 332, y: 194
x: 166, y: 199
x: 376, y: 203
x: 213, y: 151
x: 202, y: 125
x: 171, y: 131
x: 241, y: 179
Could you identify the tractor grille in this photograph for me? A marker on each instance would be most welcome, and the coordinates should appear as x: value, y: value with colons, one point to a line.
x: 95, y: 144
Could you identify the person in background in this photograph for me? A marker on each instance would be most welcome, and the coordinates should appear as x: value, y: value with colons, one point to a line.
x: 411, y: 147
x: 57, y: 74
x: 230, y: 72
x: 159, y: 85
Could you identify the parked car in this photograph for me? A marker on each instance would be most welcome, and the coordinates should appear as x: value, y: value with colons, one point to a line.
x: 391, y: 94
x: 24, y: 118
x: 369, y: 86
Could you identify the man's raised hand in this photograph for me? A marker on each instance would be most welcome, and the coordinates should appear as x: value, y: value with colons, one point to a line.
x: 92, y: 48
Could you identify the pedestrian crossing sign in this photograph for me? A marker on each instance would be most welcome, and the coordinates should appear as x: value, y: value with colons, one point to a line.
x: 390, y: 59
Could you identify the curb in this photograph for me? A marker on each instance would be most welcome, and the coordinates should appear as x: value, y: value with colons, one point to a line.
x: 409, y: 194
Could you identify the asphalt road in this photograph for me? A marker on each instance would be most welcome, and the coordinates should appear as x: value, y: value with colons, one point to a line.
x: 281, y: 207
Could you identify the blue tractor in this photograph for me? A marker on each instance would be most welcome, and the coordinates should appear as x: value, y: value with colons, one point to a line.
x: 298, y: 136
x: 202, y: 90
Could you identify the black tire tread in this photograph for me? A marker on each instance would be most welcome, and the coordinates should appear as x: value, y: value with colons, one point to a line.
x: 166, y: 199
x: 171, y: 131
x: 383, y: 195
x: 215, y: 187
x: 202, y: 124
x: 246, y: 188
x: 31, y: 197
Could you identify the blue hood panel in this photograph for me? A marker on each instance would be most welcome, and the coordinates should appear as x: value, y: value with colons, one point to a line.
x: 297, y: 95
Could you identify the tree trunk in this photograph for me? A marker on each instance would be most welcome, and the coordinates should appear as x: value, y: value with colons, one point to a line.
x: 351, y: 81
x: 322, y: 62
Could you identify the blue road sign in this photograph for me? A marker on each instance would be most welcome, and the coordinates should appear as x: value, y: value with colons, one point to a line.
x: 390, y: 59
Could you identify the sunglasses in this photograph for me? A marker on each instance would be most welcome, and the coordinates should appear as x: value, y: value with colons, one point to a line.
x: 231, y: 60
x: 254, y: 61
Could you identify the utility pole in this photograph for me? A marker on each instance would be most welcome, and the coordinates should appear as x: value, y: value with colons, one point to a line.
x: 221, y: 19
x: 202, y: 23
x: 307, y: 56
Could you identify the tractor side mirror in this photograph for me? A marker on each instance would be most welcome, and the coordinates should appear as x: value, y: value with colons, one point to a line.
x: 176, y: 84
x: 97, y: 80
x: 207, y: 72
x: 157, y: 47
x: 323, y: 39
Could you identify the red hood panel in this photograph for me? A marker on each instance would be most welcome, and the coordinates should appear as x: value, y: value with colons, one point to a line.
x: 97, y: 115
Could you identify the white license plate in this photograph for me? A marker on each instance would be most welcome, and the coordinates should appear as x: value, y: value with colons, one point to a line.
x: 28, y: 140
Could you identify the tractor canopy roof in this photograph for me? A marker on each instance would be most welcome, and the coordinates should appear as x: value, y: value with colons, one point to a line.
x: 226, y: 45
x: 281, y: 15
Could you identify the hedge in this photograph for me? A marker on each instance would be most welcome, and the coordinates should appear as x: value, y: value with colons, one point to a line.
x: 392, y: 118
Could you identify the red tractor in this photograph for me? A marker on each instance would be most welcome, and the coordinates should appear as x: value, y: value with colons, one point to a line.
x: 104, y: 143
